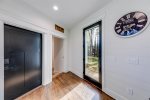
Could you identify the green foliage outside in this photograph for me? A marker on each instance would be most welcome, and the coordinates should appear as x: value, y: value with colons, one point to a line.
x: 93, y: 64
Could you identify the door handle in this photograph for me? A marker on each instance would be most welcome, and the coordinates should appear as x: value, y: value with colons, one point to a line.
x: 6, y: 61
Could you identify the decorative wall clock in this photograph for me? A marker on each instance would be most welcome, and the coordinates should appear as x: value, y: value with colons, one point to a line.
x: 131, y: 24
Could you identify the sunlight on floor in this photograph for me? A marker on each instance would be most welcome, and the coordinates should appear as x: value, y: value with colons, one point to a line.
x: 80, y: 92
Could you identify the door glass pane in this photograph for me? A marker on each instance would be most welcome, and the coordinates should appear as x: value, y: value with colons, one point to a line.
x: 92, y: 53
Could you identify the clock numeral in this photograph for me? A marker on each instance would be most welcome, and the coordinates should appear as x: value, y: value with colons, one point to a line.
x: 131, y: 25
x: 119, y: 23
x: 122, y: 33
x: 118, y: 31
x: 123, y: 19
x: 128, y: 16
x: 139, y: 25
x: 142, y: 20
x: 117, y: 27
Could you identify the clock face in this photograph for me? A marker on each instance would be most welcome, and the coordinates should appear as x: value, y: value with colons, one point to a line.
x: 131, y: 23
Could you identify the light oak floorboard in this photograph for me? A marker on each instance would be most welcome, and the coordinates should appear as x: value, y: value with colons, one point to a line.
x: 67, y: 86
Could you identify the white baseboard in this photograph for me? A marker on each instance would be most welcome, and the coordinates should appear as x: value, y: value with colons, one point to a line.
x: 113, y: 94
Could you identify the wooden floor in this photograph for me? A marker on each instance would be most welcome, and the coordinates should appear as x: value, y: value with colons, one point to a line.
x: 67, y: 86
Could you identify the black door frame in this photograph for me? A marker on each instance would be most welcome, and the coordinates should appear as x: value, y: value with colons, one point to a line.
x: 98, y: 84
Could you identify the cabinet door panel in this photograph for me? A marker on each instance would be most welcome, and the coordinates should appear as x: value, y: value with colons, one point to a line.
x: 33, y: 69
x: 14, y: 67
x: 23, y: 62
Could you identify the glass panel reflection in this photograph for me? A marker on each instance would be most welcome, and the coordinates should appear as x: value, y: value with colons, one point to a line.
x: 92, y: 53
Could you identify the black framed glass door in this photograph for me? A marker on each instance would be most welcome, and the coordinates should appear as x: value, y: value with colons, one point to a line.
x: 92, y: 53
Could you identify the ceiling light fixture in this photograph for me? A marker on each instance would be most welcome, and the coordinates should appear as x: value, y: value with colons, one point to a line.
x: 55, y: 8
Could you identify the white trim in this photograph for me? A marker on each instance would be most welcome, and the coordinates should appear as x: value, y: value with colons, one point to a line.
x: 103, y: 51
x: 1, y: 60
x: 24, y: 23
x: 47, y: 59
x: 64, y: 66
x: 115, y: 95
x: 20, y: 22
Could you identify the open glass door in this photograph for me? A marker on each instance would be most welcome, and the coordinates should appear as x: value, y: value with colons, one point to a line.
x: 92, y: 54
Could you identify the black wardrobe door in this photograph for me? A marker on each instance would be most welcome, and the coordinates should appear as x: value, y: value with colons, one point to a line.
x: 23, y: 61
x: 14, y: 65
x: 33, y: 63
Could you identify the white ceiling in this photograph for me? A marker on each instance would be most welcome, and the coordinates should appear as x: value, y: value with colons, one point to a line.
x: 70, y: 12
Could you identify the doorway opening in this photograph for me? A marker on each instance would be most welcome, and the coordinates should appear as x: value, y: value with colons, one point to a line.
x: 58, y: 56
x: 92, y: 53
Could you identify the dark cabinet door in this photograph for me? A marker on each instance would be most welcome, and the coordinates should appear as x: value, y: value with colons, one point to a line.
x: 33, y: 75
x: 23, y: 61
x: 14, y: 65
x: 14, y: 75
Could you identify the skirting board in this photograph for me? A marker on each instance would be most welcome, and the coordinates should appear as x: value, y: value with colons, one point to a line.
x: 115, y: 95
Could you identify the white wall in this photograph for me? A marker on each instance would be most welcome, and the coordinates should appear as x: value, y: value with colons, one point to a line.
x: 21, y: 11
x: 17, y: 13
x: 58, y: 54
x: 126, y: 62
x: 1, y: 61
x: 47, y: 59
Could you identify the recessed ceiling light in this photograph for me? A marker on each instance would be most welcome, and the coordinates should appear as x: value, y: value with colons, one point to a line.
x: 55, y: 8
